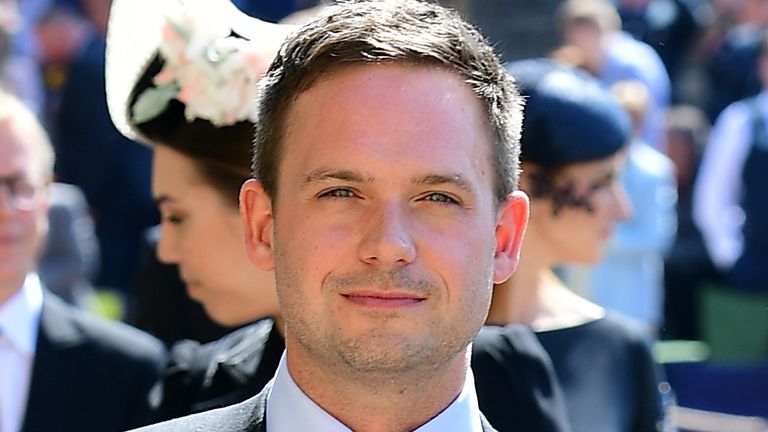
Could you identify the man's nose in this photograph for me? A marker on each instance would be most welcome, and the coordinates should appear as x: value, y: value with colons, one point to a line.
x: 388, y: 239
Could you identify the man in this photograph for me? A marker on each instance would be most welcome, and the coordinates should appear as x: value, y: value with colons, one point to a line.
x: 591, y: 30
x: 728, y: 197
x: 384, y: 198
x: 60, y: 369
x: 730, y: 209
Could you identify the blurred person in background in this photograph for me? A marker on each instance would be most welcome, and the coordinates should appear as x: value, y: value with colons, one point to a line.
x: 731, y: 61
x: 193, y: 112
x: 670, y: 27
x: 158, y: 288
x: 730, y: 209
x: 19, y: 72
x: 591, y: 32
x: 61, y: 33
x: 630, y: 275
x: 573, y: 150
x: 687, y: 265
x: 728, y: 201
x: 60, y: 368
x: 69, y: 258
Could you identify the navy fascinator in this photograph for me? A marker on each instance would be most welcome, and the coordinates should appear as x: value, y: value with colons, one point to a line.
x: 569, y: 115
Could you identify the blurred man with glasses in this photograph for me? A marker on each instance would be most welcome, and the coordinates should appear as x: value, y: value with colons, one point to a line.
x: 60, y: 368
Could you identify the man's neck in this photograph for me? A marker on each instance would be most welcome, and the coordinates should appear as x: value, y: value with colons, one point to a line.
x: 377, y: 402
x: 10, y: 286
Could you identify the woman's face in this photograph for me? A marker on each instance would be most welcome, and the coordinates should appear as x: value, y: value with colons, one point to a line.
x: 574, y: 226
x: 202, y: 234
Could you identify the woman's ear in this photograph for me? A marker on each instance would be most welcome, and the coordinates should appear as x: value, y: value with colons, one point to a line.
x: 256, y: 214
x: 510, y: 227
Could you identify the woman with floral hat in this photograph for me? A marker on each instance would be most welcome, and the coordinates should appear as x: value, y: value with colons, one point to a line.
x: 183, y: 84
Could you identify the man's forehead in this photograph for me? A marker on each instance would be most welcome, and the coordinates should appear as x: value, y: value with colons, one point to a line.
x: 18, y: 158
x: 16, y: 154
x: 355, y: 85
x: 390, y: 89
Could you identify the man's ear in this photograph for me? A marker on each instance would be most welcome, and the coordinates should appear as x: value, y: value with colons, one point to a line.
x: 256, y: 214
x: 510, y: 227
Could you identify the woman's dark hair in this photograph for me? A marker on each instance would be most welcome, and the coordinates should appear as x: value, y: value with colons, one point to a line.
x: 220, y: 154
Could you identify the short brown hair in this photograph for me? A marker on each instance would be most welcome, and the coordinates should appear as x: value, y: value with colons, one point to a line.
x: 404, y: 31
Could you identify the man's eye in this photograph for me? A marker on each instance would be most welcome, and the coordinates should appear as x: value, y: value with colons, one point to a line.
x: 337, y: 193
x: 23, y: 188
x: 440, y: 198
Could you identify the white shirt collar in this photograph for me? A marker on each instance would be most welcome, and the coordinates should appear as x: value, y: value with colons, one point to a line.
x: 20, y: 316
x: 290, y: 409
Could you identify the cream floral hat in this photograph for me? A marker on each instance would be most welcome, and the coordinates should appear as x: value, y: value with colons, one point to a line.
x: 213, y: 56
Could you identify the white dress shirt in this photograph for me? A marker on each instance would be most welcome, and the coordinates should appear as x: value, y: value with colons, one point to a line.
x: 290, y: 410
x: 717, y: 192
x: 19, y: 322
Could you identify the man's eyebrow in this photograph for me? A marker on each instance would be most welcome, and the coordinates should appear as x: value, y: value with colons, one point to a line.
x: 323, y: 174
x: 443, y: 179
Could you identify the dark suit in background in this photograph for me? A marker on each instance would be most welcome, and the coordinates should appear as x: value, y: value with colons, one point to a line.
x: 89, y: 374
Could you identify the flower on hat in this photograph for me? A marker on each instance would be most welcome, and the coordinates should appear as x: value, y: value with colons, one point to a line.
x: 214, y: 73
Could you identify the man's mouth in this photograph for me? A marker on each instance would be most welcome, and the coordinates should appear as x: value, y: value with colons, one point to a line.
x: 384, y: 299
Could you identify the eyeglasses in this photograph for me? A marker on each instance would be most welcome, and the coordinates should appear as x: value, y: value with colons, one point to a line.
x: 24, y: 194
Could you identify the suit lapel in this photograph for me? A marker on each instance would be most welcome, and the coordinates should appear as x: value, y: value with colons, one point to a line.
x: 259, y: 419
x: 486, y: 426
x: 47, y: 405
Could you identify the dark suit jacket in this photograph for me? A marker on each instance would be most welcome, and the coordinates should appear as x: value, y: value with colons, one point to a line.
x: 89, y: 374
x: 247, y: 416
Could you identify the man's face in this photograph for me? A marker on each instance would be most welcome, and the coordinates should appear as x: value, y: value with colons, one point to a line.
x: 384, y: 220
x: 21, y: 230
